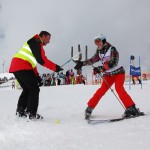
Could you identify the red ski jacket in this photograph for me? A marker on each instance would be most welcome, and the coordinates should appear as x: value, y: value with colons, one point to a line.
x: 36, y: 46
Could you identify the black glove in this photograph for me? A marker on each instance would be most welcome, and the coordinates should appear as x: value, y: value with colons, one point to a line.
x: 58, y: 68
x: 98, y: 69
x: 79, y: 65
x: 39, y: 80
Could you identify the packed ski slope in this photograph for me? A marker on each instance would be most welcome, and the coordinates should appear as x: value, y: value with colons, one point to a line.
x: 64, y: 127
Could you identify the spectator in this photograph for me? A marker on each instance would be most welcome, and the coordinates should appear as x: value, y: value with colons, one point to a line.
x: 72, y: 80
x: 62, y: 78
x: 13, y: 84
x: 68, y: 77
x: 144, y: 77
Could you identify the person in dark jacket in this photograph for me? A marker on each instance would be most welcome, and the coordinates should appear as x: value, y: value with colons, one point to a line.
x: 113, y: 73
x: 24, y: 68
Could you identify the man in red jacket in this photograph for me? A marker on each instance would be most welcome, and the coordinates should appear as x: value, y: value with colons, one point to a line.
x: 23, y: 66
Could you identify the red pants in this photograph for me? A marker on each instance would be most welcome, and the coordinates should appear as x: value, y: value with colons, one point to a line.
x: 123, y: 95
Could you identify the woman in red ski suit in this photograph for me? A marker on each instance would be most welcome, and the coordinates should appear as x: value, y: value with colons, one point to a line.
x: 23, y: 66
x: 113, y: 73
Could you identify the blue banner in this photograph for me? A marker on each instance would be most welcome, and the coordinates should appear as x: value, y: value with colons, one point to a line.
x: 135, y: 71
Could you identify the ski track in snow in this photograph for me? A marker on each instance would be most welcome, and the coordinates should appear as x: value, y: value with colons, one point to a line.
x: 67, y: 104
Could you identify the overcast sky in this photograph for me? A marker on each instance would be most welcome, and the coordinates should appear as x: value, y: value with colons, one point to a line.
x: 125, y: 23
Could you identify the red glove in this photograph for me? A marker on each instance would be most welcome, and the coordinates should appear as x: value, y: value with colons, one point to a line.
x: 94, y: 72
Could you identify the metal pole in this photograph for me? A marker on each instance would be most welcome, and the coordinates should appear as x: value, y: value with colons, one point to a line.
x: 130, y: 75
x: 3, y: 65
x: 70, y: 59
x: 140, y: 71
x: 86, y: 52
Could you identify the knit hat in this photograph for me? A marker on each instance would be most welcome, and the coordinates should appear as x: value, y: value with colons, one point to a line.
x: 100, y: 37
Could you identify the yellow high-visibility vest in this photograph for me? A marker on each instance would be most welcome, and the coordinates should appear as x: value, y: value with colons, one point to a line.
x: 25, y: 53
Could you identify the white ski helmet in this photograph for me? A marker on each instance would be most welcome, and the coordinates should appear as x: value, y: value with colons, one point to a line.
x: 100, y: 37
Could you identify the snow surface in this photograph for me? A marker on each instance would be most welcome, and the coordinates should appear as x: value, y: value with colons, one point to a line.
x: 64, y: 127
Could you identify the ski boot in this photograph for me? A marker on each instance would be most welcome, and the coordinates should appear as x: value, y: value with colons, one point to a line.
x: 34, y: 116
x: 88, y: 112
x: 132, y: 112
x: 20, y: 112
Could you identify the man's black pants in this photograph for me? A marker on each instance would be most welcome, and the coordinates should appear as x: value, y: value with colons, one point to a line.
x: 29, y: 98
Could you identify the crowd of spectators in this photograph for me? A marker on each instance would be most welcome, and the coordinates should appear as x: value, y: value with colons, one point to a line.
x: 69, y: 77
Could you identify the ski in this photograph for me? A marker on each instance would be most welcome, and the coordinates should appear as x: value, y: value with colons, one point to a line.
x: 96, y: 122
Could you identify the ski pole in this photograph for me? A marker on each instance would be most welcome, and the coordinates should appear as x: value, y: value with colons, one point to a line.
x: 108, y: 85
x: 66, y: 62
x: 70, y: 59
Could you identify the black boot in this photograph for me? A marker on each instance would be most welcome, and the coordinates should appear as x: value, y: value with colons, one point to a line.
x: 20, y: 112
x: 132, y: 112
x: 139, y: 81
x: 88, y: 112
x: 34, y: 116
